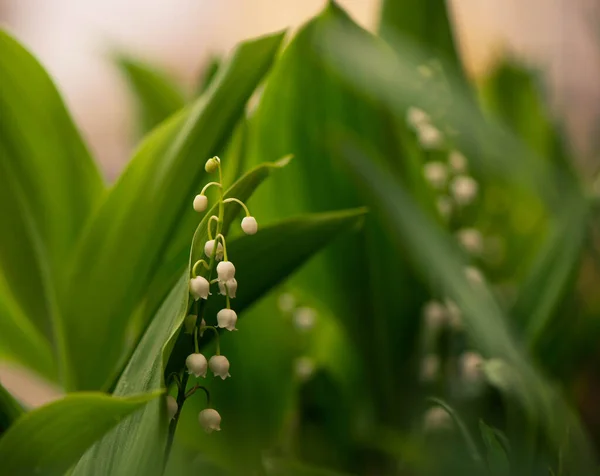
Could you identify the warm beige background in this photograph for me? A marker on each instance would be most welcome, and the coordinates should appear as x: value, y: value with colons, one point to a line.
x: 70, y: 37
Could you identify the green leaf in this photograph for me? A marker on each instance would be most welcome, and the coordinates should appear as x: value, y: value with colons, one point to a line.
x: 136, y: 445
x: 424, y: 22
x: 10, y: 410
x: 49, y: 439
x: 157, y: 95
x: 437, y: 255
x: 209, y: 73
x: 130, y: 233
x: 49, y: 185
x: 497, y: 458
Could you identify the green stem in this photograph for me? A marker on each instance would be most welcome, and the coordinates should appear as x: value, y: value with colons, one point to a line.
x: 209, y: 184
x: 220, y: 235
x: 217, y: 336
x: 229, y: 200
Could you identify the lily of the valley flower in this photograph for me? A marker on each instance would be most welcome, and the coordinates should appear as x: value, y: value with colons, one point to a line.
x: 471, y: 367
x: 212, y: 165
x: 304, y: 318
x: 457, y: 161
x: 436, y: 418
x: 249, y: 225
x: 219, y: 365
x: 471, y: 240
x: 226, y: 319
x: 209, y: 248
x: 416, y: 117
x: 210, y: 420
x: 436, y: 173
x: 200, y: 203
x: 435, y: 315
x: 464, y: 189
x: 196, y: 365
x: 228, y: 287
x: 172, y: 407
x: 199, y: 288
x: 225, y: 271
x: 429, y: 136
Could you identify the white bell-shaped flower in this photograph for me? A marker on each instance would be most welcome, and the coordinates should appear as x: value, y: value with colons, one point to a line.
x: 436, y: 418
x: 212, y: 165
x: 199, y: 287
x: 471, y: 240
x: 416, y: 117
x: 471, y: 367
x: 228, y: 287
x: 210, y: 420
x: 464, y: 189
x: 286, y: 302
x: 430, y: 137
x: 200, y: 203
x: 172, y: 407
x: 304, y: 318
x: 225, y: 270
x: 304, y: 368
x: 430, y: 367
x: 435, y: 315
x: 226, y: 319
x: 249, y: 225
x: 219, y: 365
x: 209, y: 248
x: 436, y: 173
x: 474, y: 276
x: 454, y: 315
x: 196, y: 365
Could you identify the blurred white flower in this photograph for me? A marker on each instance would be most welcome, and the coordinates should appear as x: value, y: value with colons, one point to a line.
x: 444, y: 206
x: 304, y: 367
x: 304, y: 318
x: 474, y: 275
x: 436, y: 418
x: 199, y: 288
x: 430, y: 367
x: 471, y: 367
x: 454, y: 315
x: 210, y: 420
x: 226, y: 319
x: 436, y: 173
x: 464, y: 189
x: 249, y: 225
x: 430, y: 137
x: 200, y: 203
x: 435, y: 315
x: 219, y: 366
x: 457, y: 161
x: 225, y: 271
x: 286, y: 302
x: 209, y: 248
x: 196, y: 365
x: 172, y: 407
x: 416, y: 117
x: 471, y: 240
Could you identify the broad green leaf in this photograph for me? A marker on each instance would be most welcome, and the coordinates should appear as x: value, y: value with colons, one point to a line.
x: 49, y: 185
x: 484, y: 320
x: 497, y: 458
x: 20, y: 340
x: 425, y: 22
x: 136, y: 445
x: 209, y: 73
x: 49, y: 439
x: 156, y: 94
x: 10, y: 410
x: 122, y: 248
x: 288, y: 120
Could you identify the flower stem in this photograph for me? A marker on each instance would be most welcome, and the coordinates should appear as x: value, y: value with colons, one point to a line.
x: 239, y: 202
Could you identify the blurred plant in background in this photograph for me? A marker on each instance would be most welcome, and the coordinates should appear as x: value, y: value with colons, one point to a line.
x: 453, y: 331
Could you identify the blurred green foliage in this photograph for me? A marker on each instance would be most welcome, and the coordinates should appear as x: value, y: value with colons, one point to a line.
x: 94, y: 279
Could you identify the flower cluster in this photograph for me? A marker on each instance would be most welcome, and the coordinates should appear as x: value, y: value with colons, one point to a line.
x: 200, y: 283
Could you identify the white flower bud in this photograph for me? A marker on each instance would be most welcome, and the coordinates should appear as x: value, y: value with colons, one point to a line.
x: 457, y: 161
x: 304, y: 367
x: 227, y: 319
x: 436, y: 418
x: 304, y: 318
x: 172, y: 407
x: 211, y: 165
x: 249, y: 225
x: 231, y: 286
x: 225, y: 270
x: 473, y: 275
x: 416, y: 117
x: 435, y: 314
x: 436, y: 173
x: 219, y: 365
x: 210, y: 420
x: 430, y: 367
x: 199, y: 288
x: 471, y: 367
x: 196, y: 365
x: 464, y: 189
x: 444, y: 206
x: 286, y: 302
x: 430, y: 137
x: 471, y: 240
x: 209, y: 248
x: 200, y: 203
